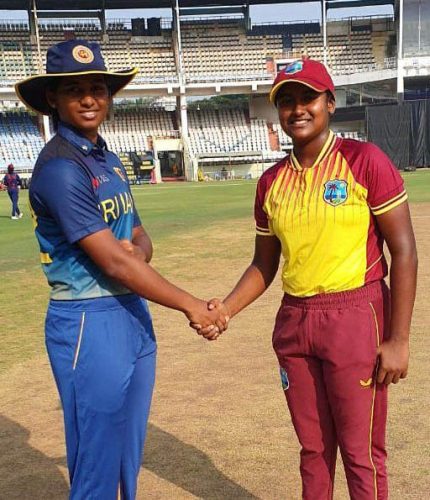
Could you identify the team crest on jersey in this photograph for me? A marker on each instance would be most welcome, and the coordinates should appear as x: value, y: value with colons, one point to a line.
x: 335, y: 192
x: 294, y: 67
x: 83, y: 54
x: 284, y: 378
x: 120, y: 173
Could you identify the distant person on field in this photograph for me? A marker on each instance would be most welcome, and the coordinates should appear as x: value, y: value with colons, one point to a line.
x: 341, y: 337
x: 95, y: 254
x: 13, y: 184
x: 200, y: 174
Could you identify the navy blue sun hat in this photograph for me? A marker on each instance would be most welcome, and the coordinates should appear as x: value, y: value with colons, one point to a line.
x: 70, y: 58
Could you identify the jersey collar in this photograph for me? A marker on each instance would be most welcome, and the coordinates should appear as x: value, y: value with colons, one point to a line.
x: 78, y: 140
x: 325, y: 151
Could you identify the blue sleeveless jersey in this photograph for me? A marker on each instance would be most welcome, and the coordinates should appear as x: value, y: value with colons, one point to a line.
x: 77, y: 189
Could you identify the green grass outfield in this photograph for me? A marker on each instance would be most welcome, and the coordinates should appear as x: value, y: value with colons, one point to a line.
x: 166, y: 211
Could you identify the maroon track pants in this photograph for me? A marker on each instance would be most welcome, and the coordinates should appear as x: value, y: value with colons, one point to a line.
x: 326, y: 347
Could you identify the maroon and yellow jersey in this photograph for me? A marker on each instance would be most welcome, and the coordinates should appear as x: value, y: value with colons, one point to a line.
x: 324, y: 215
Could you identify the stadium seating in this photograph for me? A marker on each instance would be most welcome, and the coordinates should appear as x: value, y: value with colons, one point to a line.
x: 153, y: 55
x: 351, y: 134
x: 284, y: 140
x: 227, y: 131
x: 219, y: 48
x: 347, y: 53
x: 133, y: 129
x: 212, y: 49
x: 20, y: 139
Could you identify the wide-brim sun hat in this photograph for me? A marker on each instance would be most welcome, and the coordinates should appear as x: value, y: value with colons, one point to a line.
x: 69, y: 58
x: 308, y: 72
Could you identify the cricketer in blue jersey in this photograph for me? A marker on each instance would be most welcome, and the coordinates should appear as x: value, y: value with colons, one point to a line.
x: 79, y: 193
x: 95, y: 254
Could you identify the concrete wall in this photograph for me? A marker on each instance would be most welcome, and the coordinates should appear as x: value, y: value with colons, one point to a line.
x: 260, y: 107
x: 168, y: 144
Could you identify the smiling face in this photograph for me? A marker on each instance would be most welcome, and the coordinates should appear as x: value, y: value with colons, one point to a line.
x: 81, y: 101
x: 304, y: 113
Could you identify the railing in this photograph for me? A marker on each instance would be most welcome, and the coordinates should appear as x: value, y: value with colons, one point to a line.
x: 168, y: 134
x: 155, y: 79
x: 237, y: 77
x: 287, y: 23
x: 388, y: 17
x: 350, y: 69
x: 210, y: 20
x: 22, y: 25
x: 234, y: 77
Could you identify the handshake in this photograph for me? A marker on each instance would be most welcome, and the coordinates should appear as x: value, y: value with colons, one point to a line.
x: 209, y: 319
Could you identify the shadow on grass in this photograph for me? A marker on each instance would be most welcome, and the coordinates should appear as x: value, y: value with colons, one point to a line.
x: 26, y: 473
x: 188, y: 467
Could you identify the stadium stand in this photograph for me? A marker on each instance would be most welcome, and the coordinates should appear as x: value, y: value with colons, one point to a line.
x: 219, y: 48
x: 153, y: 55
x: 347, y: 53
x: 20, y: 139
x: 226, y: 131
x: 214, y: 50
x: 284, y: 141
x: 134, y: 128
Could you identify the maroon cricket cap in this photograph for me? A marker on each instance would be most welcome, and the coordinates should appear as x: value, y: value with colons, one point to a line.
x: 311, y: 73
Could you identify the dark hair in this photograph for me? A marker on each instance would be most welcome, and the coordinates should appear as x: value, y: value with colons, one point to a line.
x: 52, y: 86
x: 330, y: 95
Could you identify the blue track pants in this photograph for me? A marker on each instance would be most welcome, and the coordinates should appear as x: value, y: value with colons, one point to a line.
x: 13, y: 195
x: 102, y: 352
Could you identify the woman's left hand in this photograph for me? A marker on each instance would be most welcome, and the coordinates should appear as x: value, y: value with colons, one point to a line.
x: 393, y: 361
x: 133, y: 249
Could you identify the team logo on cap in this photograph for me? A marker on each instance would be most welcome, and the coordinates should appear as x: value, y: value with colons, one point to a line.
x: 83, y: 54
x: 294, y: 67
x: 335, y: 192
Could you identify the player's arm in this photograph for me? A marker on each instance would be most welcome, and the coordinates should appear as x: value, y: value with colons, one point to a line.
x: 257, y: 277
x: 64, y: 190
x: 396, y: 228
x: 138, y: 276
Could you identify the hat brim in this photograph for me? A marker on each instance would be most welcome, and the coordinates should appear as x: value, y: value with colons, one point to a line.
x: 307, y: 83
x: 32, y: 91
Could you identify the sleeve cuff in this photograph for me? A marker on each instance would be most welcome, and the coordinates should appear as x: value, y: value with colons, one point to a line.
x: 264, y: 231
x: 390, y: 204
x: 78, y: 235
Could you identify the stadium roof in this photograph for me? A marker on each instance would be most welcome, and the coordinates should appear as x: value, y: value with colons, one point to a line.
x: 148, y: 4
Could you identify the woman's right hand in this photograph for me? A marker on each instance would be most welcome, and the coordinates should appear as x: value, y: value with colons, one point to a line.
x: 209, y: 323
